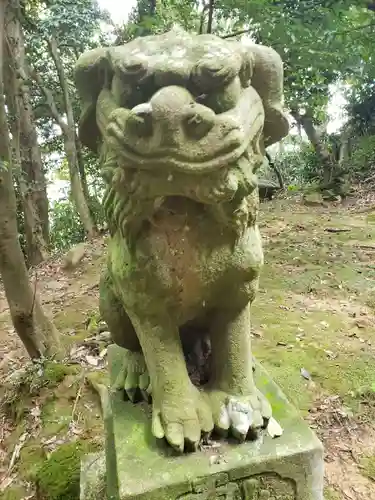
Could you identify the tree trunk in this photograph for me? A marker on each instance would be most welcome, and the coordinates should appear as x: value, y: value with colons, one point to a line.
x: 85, y: 186
x: 81, y: 169
x: 211, y: 7
x: 344, y: 148
x: 276, y: 170
x: 69, y: 132
x: 34, y: 328
x: 78, y: 194
x: 306, y: 122
x: 31, y: 176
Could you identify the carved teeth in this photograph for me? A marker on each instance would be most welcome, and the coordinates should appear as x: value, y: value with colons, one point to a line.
x: 142, y: 109
x: 140, y: 119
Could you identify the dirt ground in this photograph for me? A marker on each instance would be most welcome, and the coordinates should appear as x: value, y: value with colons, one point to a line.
x: 313, y: 328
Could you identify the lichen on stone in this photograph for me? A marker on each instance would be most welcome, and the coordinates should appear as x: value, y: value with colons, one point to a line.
x: 181, y: 122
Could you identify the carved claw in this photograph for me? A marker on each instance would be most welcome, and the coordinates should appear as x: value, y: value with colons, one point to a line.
x: 133, y: 378
x: 242, y: 416
x: 181, y: 419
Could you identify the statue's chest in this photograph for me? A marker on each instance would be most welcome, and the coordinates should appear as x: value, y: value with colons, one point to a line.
x: 186, y: 263
x: 199, y: 254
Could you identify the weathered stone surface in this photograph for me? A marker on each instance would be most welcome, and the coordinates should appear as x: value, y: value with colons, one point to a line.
x: 74, y: 256
x: 286, y: 468
x: 181, y: 122
x: 93, y: 477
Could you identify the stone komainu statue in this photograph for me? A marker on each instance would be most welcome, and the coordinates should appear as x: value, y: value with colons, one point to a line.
x: 181, y: 122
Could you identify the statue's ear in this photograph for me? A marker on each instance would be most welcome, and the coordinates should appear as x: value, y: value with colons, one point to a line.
x: 267, y: 79
x: 93, y: 72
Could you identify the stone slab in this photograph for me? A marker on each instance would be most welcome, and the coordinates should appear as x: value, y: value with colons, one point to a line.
x: 138, y: 467
x: 93, y: 477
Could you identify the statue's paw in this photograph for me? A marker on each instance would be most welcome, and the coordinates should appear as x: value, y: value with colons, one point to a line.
x: 133, y: 377
x: 181, y: 418
x: 241, y: 416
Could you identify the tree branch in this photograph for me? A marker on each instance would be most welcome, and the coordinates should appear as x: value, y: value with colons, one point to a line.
x: 54, y: 51
x: 50, y: 100
x: 237, y: 33
x: 203, y: 16
x: 355, y: 28
x: 276, y: 170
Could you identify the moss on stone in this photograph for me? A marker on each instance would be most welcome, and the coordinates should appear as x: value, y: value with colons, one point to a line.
x: 92, y: 321
x: 56, y: 416
x: 80, y: 334
x: 27, y: 383
x: 54, y: 373
x: 368, y: 467
x: 59, y: 476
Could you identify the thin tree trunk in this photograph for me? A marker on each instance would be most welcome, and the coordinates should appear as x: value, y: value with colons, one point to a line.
x: 306, y: 122
x: 202, y: 19
x: 78, y: 194
x: 274, y: 167
x: 28, y: 157
x: 83, y: 177
x: 211, y: 7
x: 69, y: 131
x: 69, y: 135
x: 344, y: 149
x: 81, y: 169
x: 34, y: 328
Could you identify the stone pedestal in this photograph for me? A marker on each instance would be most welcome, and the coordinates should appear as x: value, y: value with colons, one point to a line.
x: 137, y: 467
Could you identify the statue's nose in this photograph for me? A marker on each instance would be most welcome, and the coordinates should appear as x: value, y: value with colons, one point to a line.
x: 172, y: 115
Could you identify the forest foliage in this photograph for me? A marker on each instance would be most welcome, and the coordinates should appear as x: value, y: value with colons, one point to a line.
x: 326, y: 47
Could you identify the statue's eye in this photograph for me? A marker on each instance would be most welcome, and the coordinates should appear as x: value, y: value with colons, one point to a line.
x: 211, y: 73
x: 223, y: 98
x: 140, y: 93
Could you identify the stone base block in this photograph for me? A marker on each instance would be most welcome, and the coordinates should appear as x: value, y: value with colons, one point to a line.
x: 286, y: 468
x: 93, y: 477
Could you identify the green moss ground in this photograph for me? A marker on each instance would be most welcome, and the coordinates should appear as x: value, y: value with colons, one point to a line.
x: 314, y: 310
x: 313, y: 294
x: 330, y: 494
x: 56, y: 475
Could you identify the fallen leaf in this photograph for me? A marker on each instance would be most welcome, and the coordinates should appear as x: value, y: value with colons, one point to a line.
x: 305, y: 374
x: 92, y: 360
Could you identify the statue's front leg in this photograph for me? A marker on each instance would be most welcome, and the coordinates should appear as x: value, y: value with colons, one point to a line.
x: 180, y: 414
x: 236, y: 403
